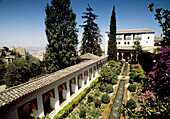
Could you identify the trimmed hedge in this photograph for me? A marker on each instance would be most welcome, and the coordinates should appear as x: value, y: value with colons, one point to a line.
x: 98, y: 103
x: 90, y: 98
x: 70, y: 106
x: 105, y: 98
x: 113, y: 82
x: 82, y: 113
x: 131, y: 104
x: 109, y: 89
x: 131, y: 81
x: 132, y: 88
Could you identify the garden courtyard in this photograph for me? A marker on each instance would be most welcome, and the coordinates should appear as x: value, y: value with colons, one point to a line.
x: 145, y: 95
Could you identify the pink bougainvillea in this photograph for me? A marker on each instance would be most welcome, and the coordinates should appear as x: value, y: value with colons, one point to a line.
x: 159, y: 76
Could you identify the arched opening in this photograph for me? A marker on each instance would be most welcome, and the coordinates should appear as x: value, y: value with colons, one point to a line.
x: 80, y: 80
x: 90, y: 74
x: 47, y: 102
x: 94, y: 71
x: 25, y: 111
x: 85, y: 77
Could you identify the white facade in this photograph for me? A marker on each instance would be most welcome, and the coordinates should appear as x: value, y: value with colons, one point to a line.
x: 128, y: 37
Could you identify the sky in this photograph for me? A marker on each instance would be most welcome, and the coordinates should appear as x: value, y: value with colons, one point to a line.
x: 22, y: 22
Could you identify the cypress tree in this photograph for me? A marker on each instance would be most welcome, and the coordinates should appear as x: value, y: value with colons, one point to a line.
x: 91, y: 36
x: 61, y: 34
x: 112, y: 48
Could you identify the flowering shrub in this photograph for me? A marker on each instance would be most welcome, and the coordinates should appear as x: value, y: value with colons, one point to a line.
x: 154, y: 102
x: 158, y: 77
x: 144, y: 97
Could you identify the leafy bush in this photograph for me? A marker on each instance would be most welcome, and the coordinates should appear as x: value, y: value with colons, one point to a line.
x: 101, y: 88
x: 109, y: 89
x: 90, y: 98
x: 105, y: 98
x: 131, y: 104
x: 82, y: 113
x: 69, y: 107
x: 115, y: 77
x: 131, y: 81
x: 97, y: 93
x: 113, y: 82
x: 98, y: 103
x: 132, y: 88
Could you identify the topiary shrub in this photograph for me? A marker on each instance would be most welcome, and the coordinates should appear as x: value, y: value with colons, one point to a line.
x: 97, y: 93
x: 98, y: 103
x: 131, y: 104
x: 113, y: 82
x: 109, y: 89
x: 105, y: 98
x: 132, y: 88
x: 82, y: 113
x: 101, y: 88
x: 90, y: 98
x: 131, y: 81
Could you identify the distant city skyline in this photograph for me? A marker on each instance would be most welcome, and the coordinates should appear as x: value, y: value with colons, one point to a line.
x: 22, y: 21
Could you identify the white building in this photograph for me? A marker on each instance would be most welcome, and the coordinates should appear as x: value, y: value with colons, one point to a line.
x: 125, y: 39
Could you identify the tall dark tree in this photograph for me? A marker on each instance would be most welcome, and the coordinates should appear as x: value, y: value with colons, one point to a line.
x: 112, y: 48
x: 91, y: 36
x: 61, y: 34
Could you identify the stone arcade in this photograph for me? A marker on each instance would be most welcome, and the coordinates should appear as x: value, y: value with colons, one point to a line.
x: 50, y: 93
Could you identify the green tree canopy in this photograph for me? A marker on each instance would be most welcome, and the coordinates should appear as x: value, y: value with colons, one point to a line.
x: 17, y: 72
x: 91, y: 36
x: 61, y: 34
x: 112, y: 48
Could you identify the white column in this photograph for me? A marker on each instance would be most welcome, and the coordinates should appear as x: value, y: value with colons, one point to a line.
x: 57, y: 103
x: 83, y: 80
x: 122, y: 55
x: 132, y: 37
x: 40, y: 106
x: 76, y: 84
x: 68, y: 89
x: 136, y: 57
x: 131, y: 55
x: 96, y: 75
x: 122, y: 37
x: 117, y: 55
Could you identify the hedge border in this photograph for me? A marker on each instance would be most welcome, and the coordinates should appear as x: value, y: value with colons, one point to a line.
x: 74, y: 102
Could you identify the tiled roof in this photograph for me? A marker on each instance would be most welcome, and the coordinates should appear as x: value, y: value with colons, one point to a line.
x: 11, y: 94
x: 132, y: 31
x: 89, y: 56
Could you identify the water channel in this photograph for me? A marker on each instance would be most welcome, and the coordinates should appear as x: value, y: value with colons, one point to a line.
x: 119, y: 97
